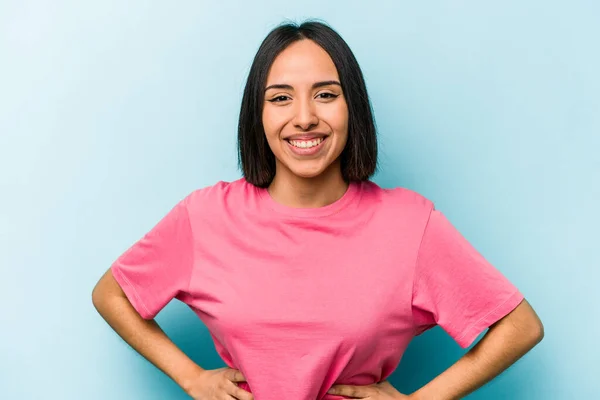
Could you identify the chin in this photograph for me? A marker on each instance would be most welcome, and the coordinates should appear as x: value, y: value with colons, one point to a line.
x: 307, y: 172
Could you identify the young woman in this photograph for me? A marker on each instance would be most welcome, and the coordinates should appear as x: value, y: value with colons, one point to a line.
x: 311, y: 279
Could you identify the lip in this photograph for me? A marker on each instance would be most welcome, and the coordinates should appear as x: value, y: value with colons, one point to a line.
x: 306, y: 151
x: 307, y: 136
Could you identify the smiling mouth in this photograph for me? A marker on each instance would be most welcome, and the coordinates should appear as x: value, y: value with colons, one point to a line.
x: 306, y: 144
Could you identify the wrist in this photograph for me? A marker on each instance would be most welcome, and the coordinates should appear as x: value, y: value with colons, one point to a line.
x: 189, y: 379
x: 416, y: 396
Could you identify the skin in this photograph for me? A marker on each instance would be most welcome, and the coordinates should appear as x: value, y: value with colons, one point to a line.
x: 301, y: 104
x: 148, y: 339
x: 502, y: 345
x: 302, y: 108
x: 317, y: 181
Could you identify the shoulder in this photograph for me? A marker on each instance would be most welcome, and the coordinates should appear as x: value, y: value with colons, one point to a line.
x: 396, y: 196
x: 222, y: 193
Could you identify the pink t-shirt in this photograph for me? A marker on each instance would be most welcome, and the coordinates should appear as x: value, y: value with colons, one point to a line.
x: 302, y: 299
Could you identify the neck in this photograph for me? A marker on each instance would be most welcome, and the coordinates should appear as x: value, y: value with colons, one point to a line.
x: 298, y: 192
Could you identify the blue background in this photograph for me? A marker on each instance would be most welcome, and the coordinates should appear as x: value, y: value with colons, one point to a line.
x: 110, y: 112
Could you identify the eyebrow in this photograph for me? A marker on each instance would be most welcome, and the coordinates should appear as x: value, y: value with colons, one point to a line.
x: 314, y: 86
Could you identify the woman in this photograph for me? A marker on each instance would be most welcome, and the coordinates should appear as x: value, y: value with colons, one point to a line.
x: 311, y: 279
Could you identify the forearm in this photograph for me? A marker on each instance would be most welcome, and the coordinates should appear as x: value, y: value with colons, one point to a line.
x: 146, y: 337
x: 499, y: 348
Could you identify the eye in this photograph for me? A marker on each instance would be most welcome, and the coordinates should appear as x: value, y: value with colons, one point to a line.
x: 327, y: 95
x: 279, y: 99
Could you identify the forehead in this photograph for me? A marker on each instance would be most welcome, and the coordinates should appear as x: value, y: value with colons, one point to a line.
x: 303, y: 61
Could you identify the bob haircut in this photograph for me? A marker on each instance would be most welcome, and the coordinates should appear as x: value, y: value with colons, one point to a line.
x: 359, y: 157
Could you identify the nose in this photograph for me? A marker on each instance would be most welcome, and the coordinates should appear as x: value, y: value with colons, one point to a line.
x: 305, y: 116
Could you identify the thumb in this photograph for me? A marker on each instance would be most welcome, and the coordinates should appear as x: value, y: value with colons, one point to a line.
x: 235, y: 375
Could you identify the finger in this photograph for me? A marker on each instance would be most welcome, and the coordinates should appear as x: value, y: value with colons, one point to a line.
x: 235, y: 375
x: 350, y: 391
x: 237, y: 392
x: 241, y: 394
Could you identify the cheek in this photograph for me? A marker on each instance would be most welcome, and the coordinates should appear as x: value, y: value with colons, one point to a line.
x: 267, y: 122
x: 337, y: 118
x: 273, y: 121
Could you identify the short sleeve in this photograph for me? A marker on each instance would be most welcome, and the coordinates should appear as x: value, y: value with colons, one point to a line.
x: 455, y: 287
x: 157, y: 268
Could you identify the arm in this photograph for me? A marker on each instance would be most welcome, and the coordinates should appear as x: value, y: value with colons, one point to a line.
x: 145, y: 336
x: 505, y: 342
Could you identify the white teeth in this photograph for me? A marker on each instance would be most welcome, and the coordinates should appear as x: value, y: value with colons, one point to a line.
x: 306, y: 144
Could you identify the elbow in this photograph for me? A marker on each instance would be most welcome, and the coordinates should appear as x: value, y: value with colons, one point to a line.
x: 538, y: 332
x: 528, y: 323
x: 101, y: 293
x: 106, y: 289
x: 97, y: 297
x: 532, y: 332
x: 535, y: 326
